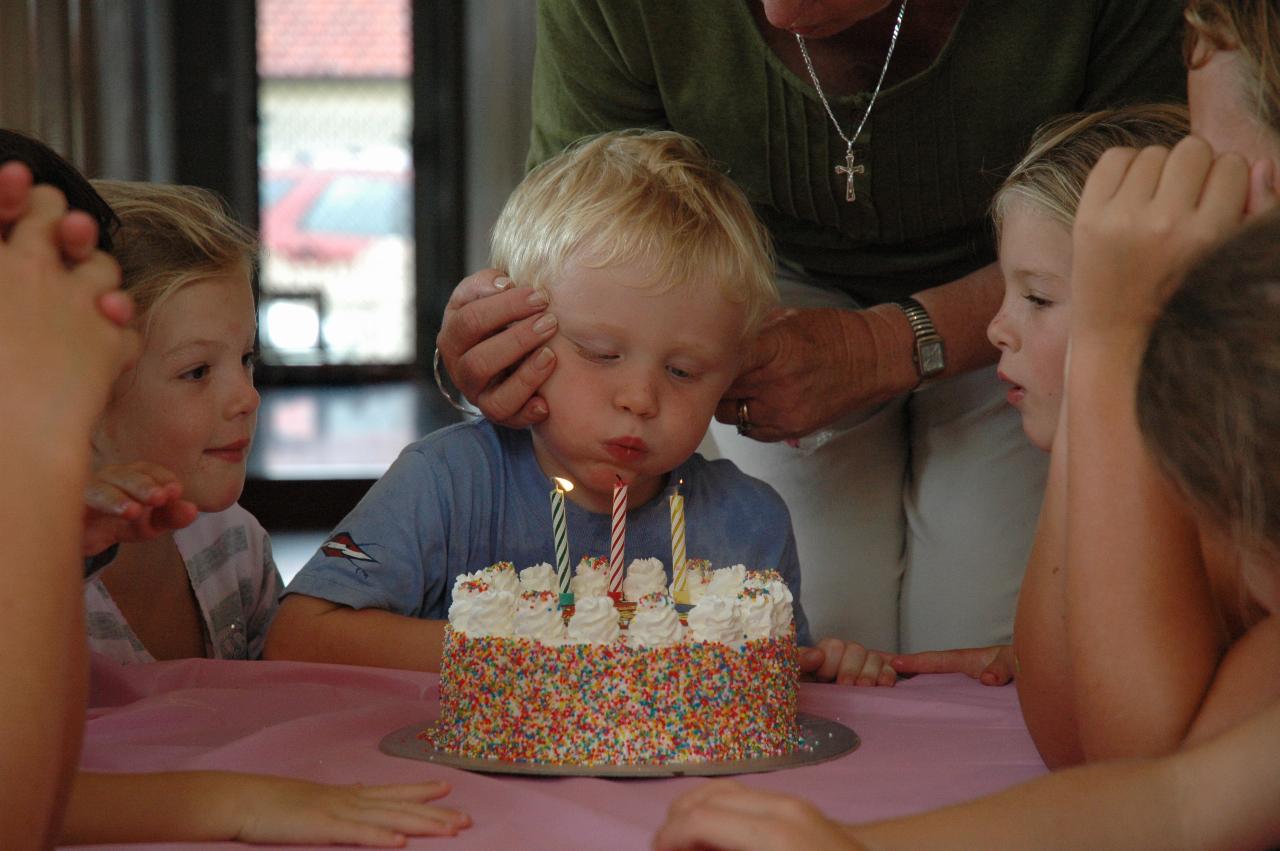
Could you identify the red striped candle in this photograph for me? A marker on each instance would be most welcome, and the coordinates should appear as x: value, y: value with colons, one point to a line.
x: 618, y: 539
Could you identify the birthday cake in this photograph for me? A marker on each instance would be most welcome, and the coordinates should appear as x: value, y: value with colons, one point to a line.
x: 598, y: 683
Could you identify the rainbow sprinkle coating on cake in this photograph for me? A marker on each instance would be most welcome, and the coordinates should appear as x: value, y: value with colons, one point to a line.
x: 620, y: 701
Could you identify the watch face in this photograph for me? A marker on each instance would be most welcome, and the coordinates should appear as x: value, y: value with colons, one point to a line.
x: 931, y: 358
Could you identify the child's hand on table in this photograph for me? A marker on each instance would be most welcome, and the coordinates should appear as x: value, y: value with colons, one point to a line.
x: 273, y: 810
x: 992, y: 666
x: 125, y: 503
x: 847, y: 663
x: 726, y: 815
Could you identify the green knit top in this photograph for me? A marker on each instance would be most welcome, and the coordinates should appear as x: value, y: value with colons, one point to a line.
x: 935, y: 147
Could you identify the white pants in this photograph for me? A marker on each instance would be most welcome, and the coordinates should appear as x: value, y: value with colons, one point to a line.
x: 913, y: 521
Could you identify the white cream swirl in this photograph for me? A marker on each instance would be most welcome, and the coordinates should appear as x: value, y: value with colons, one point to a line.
x: 644, y: 576
x: 757, y: 613
x: 589, y: 581
x: 716, y: 619
x: 539, y: 577
x: 538, y: 617
x: 594, y: 621
x: 656, y: 623
x: 783, y: 613
x: 479, y: 609
x: 727, y: 581
x: 502, y: 575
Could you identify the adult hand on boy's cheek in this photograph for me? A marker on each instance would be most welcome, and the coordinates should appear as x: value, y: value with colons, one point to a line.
x: 491, y: 341
x: 726, y: 815
x: 992, y: 666
x: 125, y: 503
x: 1144, y: 217
x: 846, y: 663
x: 804, y: 371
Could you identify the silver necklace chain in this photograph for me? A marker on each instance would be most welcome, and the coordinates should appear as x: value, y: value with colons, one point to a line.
x: 849, y: 169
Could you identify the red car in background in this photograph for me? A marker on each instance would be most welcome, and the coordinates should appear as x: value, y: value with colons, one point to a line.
x: 330, y: 216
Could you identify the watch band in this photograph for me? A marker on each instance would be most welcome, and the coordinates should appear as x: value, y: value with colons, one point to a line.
x: 929, y: 354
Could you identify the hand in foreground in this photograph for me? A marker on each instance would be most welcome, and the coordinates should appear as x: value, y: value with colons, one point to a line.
x: 491, y: 343
x: 75, y: 235
x: 1145, y: 216
x: 726, y: 815
x: 132, y: 502
x: 992, y: 666
x: 806, y: 369
x: 277, y: 810
x: 64, y: 319
x: 846, y: 663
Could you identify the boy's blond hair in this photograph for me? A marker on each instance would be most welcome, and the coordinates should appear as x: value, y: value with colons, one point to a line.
x: 650, y: 198
x: 1063, y: 151
x: 1250, y: 27
x: 170, y: 236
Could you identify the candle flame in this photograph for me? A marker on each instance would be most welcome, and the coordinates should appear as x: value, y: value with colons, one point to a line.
x: 563, y: 484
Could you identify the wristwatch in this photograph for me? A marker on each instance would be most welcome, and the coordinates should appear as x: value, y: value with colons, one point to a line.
x: 929, y: 356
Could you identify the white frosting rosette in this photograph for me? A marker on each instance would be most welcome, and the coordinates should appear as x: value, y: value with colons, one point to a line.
x: 594, y: 621
x: 539, y: 577
x: 757, y: 613
x: 538, y: 617
x: 716, y: 618
x: 590, y: 581
x: 697, y: 578
x: 644, y: 576
x: 479, y: 608
x: 783, y: 615
x: 656, y: 623
x: 727, y: 581
x: 780, y: 597
x: 502, y: 576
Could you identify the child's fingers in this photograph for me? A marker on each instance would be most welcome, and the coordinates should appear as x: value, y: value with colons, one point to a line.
x: 1225, y: 196
x: 174, y: 515
x: 34, y: 232
x: 117, y: 307
x: 834, y: 652
x: 810, y: 659
x: 1142, y: 180
x: 15, y: 190
x: 934, y: 662
x: 701, y: 794
x: 1183, y: 173
x: 1104, y: 180
x: 106, y: 498
x: 77, y: 235
x: 428, y: 791
x: 1262, y: 188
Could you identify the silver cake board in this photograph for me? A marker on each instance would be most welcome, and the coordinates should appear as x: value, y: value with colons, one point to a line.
x: 821, y: 740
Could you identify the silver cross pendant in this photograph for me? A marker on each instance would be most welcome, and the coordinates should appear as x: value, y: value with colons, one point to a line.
x: 849, y: 170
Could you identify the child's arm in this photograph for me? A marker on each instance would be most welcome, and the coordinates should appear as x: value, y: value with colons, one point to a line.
x: 132, y: 502
x: 1044, y: 681
x: 309, y: 629
x: 208, y: 806
x: 60, y: 348
x: 1247, y: 681
x: 1220, y: 794
x: 1141, y: 629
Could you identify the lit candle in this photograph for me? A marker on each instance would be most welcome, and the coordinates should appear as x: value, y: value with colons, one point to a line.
x: 618, y: 538
x: 679, y: 567
x: 560, y: 531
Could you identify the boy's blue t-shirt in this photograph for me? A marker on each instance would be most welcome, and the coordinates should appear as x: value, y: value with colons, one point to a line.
x: 473, y: 494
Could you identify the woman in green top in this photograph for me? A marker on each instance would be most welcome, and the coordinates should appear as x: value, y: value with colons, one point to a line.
x: 913, y: 511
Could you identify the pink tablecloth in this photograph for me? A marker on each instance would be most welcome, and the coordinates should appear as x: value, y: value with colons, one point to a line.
x: 927, y: 742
